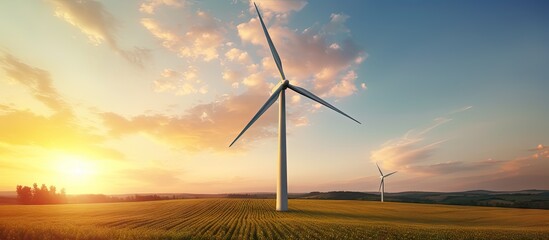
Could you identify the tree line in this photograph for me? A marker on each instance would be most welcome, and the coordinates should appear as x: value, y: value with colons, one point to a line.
x: 40, y: 195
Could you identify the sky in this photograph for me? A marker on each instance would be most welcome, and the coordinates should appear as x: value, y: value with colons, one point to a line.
x: 146, y: 96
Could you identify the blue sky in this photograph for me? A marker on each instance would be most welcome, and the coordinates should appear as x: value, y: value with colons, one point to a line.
x: 144, y: 96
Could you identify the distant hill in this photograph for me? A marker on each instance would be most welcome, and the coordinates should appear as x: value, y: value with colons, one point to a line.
x: 515, y: 199
x: 8, y: 193
x: 340, y: 195
x: 538, y: 199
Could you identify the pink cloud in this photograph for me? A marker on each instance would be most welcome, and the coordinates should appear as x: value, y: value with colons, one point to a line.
x: 410, y: 149
x: 205, y: 127
x: 310, y: 57
x: 345, y: 87
x: 526, y: 172
x: 202, y: 39
x: 279, y: 6
x: 149, y: 6
x: 181, y: 83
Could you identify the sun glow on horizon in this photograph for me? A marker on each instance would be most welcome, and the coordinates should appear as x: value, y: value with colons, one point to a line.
x: 76, y: 172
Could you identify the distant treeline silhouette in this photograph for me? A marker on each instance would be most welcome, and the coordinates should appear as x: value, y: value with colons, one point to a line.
x: 42, y: 195
x: 45, y: 195
x: 101, y: 198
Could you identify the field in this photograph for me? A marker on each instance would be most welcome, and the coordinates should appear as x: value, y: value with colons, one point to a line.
x: 256, y: 219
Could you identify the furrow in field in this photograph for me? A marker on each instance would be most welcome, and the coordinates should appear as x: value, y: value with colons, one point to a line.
x: 199, y: 216
x: 236, y: 222
x: 215, y: 219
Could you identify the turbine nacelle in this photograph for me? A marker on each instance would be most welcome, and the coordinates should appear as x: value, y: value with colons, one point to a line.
x: 284, y: 83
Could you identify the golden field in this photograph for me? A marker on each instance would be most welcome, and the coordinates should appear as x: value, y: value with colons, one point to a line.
x: 226, y: 218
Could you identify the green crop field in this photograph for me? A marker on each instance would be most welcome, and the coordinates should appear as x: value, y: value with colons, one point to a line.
x: 256, y: 219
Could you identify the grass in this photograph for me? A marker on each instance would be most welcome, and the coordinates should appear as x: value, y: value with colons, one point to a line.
x: 256, y: 219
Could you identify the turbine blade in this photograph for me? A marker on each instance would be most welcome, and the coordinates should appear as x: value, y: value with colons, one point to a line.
x: 271, y: 45
x: 390, y: 174
x: 313, y: 97
x: 381, y: 183
x: 272, y: 99
x: 379, y: 169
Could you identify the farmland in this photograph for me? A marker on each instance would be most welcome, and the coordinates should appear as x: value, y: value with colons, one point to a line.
x: 256, y: 219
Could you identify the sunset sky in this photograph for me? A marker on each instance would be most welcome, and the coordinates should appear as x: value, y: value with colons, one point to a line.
x: 145, y: 96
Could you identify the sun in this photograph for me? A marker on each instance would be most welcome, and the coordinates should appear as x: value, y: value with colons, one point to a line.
x: 76, y: 168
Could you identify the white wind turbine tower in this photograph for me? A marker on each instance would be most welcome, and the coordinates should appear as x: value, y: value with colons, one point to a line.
x: 279, y: 91
x: 382, y: 184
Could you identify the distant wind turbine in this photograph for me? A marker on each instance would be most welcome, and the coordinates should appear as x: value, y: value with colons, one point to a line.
x: 279, y: 91
x: 382, y: 184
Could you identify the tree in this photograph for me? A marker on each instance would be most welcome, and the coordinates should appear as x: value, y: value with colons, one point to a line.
x: 42, y: 195
x: 52, y: 195
x: 24, y: 194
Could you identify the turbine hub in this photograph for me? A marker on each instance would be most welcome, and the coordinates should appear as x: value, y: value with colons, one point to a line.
x: 285, y: 83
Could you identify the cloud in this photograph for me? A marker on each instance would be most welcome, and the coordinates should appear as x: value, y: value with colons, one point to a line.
x: 539, y: 147
x: 305, y: 53
x: 461, y: 110
x: 238, y: 55
x: 181, y: 83
x: 311, y: 58
x: 170, y: 39
x: 336, y: 24
x: 98, y: 24
x: 525, y: 172
x: 205, y: 127
x: 346, y: 86
x: 191, y: 132
x: 232, y: 76
x: 410, y: 149
x: 37, y: 81
x: 149, y: 6
x: 60, y: 131
x: 455, y: 167
x: 280, y: 6
x: 202, y: 39
x: 411, y: 155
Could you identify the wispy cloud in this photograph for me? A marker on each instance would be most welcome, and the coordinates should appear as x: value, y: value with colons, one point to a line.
x: 204, y: 127
x: 460, y: 110
x: 412, y: 151
x: 412, y: 154
x: 455, y: 167
x: 37, y: 81
x: 524, y: 172
x: 98, y: 24
x: 25, y: 128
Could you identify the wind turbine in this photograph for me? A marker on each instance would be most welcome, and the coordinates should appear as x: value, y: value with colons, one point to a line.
x: 382, y: 184
x: 279, y: 92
